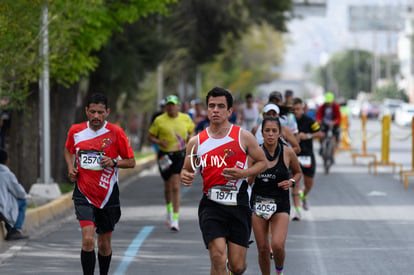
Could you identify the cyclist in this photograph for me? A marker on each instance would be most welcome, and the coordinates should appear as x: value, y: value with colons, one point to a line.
x: 329, y: 115
x: 308, y: 130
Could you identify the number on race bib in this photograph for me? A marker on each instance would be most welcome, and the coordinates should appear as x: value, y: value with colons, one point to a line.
x: 226, y: 195
x: 264, y: 207
x: 89, y: 159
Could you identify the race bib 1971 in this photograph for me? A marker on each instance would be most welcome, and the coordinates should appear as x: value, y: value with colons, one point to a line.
x: 89, y: 159
x: 223, y: 194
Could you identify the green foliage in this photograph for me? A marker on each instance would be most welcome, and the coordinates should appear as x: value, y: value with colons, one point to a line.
x: 390, y: 91
x: 351, y: 71
x: 246, y: 63
x: 77, y: 28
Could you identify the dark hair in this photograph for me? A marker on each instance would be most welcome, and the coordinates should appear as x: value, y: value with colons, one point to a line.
x: 288, y: 93
x: 249, y: 95
x: 297, y: 100
x: 271, y: 118
x: 275, y: 97
x: 3, y: 156
x: 218, y: 91
x: 98, y: 98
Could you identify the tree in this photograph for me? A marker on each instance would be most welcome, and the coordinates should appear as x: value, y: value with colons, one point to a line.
x: 245, y: 64
x: 350, y: 70
x: 76, y: 29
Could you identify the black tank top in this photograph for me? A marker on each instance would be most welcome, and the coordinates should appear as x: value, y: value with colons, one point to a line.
x: 266, y: 182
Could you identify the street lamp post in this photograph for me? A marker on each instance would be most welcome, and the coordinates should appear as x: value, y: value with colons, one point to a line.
x: 45, y: 189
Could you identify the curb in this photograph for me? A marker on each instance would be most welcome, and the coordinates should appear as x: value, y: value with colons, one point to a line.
x: 40, y: 215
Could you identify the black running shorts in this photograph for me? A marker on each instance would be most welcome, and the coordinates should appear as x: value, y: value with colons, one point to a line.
x: 283, y: 204
x: 177, y: 159
x: 234, y: 223
x: 310, y: 171
x: 104, y: 219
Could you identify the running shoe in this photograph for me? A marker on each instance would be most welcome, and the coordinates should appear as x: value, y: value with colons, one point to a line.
x: 169, y: 219
x: 305, y: 205
x: 174, y: 226
x: 296, y: 216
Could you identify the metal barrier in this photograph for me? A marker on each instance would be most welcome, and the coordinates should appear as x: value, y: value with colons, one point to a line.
x: 364, y: 143
x: 385, y: 148
x: 409, y: 173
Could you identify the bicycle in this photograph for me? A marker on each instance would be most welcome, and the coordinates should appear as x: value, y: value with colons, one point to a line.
x: 328, y: 149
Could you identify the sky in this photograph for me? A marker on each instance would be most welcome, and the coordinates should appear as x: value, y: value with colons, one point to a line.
x: 314, y: 38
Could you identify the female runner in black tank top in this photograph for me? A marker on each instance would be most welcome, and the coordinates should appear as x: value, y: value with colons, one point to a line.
x: 270, y: 196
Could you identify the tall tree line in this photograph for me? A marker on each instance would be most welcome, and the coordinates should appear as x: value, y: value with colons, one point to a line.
x: 112, y: 47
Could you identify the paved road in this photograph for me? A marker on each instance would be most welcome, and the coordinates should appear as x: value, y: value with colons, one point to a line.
x: 358, y: 223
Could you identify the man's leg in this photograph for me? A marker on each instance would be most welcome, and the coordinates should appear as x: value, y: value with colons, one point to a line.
x: 237, y: 258
x: 88, y: 257
x: 173, y: 187
x: 22, y: 212
x: 218, y: 256
x: 308, y: 182
x: 296, y: 200
x: 104, y: 252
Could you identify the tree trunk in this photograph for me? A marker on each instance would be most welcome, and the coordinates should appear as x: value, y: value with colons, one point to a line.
x: 24, y: 141
x: 63, y: 115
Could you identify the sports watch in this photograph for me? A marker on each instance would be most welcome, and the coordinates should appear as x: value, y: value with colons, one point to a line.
x: 115, y: 161
x: 293, y: 182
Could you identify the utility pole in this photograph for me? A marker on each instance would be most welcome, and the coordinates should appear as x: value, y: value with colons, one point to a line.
x: 45, y: 189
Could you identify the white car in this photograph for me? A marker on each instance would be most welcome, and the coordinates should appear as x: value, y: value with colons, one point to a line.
x: 389, y: 107
x: 404, y: 115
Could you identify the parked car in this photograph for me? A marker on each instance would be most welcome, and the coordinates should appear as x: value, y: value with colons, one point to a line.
x: 371, y: 110
x: 389, y: 107
x: 404, y: 114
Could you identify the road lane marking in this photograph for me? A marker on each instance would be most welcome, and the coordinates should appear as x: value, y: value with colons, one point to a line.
x: 133, y: 249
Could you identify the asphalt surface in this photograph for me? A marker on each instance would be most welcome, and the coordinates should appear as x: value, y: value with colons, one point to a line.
x: 358, y: 223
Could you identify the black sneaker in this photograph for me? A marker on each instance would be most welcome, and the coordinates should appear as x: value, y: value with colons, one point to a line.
x: 14, y: 234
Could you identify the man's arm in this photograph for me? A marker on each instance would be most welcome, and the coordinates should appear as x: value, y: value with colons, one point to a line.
x: 70, y: 163
x: 287, y: 134
x: 188, y: 172
x: 254, y: 152
x: 153, y: 139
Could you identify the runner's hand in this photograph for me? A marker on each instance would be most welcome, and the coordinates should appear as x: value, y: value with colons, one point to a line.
x: 285, y: 185
x: 187, y: 178
x: 232, y: 173
x: 72, y: 174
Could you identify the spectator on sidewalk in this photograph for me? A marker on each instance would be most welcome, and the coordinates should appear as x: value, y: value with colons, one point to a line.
x: 12, y: 200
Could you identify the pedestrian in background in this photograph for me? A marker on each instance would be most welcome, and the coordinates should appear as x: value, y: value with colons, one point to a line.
x: 248, y: 113
x: 288, y: 98
x: 92, y: 152
x: 12, y: 200
x: 308, y: 130
x: 221, y: 151
x: 171, y: 131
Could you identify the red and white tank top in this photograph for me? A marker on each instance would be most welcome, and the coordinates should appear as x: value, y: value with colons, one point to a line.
x: 216, y: 154
x: 96, y: 183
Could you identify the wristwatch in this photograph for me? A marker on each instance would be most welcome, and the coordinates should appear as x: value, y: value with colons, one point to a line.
x: 293, y: 182
x: 308, y: 135
x: 115, y: 161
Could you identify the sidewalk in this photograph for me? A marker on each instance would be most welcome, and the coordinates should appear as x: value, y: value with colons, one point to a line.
x: 40, y: 215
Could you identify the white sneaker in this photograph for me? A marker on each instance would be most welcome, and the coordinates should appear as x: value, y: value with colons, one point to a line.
x: 175, y: 226
x: 296, y: 216
x: 169, y: 219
